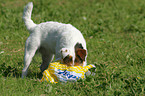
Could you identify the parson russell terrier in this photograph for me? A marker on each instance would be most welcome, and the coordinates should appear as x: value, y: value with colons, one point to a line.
x: 53, y: 38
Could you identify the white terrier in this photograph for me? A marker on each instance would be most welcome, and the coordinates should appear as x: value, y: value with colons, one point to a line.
x: 53, y: 38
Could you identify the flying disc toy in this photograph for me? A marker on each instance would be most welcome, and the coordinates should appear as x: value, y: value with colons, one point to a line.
x: 57, y: 72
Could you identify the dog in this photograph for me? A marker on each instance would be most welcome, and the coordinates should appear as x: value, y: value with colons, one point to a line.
x: 53, y: 38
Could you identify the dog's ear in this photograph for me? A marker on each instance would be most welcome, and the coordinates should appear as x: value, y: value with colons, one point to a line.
x: 81, y: 53
x: 78, y: 45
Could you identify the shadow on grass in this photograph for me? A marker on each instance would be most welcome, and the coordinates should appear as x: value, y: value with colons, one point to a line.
x: 8, y: 71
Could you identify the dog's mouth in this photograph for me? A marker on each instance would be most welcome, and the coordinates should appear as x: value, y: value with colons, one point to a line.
x: 68, y: 60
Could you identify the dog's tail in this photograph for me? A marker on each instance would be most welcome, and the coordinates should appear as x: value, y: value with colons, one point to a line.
x: 27, y: 16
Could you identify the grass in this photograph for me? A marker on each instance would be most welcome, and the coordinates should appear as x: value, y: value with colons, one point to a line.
x: 114, y: 31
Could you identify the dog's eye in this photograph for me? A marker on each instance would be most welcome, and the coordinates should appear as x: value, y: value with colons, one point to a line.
x: 64, y: 51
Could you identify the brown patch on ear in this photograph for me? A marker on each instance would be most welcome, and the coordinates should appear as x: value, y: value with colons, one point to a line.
x: 81, y: 53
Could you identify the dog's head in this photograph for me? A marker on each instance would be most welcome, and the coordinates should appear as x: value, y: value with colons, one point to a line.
x: 76, y: 57
x: 66, y: 57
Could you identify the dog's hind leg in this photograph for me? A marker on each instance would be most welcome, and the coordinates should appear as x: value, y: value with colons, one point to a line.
x: 30, y: 48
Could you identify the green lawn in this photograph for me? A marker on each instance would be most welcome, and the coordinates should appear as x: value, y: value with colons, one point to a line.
x: 114, y: 31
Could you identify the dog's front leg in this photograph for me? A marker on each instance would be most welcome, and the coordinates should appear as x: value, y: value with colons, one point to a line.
x: 46, y: 59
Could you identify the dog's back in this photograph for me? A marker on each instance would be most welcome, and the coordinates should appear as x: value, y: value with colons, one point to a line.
x: 51, y: 31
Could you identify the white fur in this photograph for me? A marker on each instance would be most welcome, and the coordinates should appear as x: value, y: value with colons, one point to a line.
x: 50, y: 38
